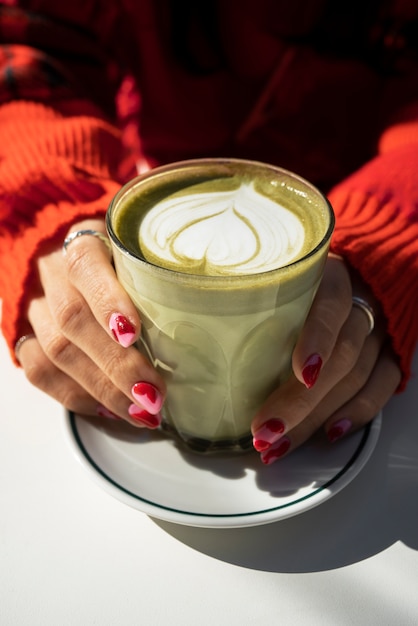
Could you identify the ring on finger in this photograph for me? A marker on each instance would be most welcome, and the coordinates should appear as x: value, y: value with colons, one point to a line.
x: 367, y: 310
x: 19, y: 343
x: 79, y: 233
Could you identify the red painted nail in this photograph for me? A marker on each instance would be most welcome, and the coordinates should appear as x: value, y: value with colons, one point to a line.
x: 122, y: 329
x: 148, y: 397
x: 339, y: 429
x: 261, y: 445
x: 143, y: 417
x: 275, y: 452
x: 311, y: 369
x: 268, y: 433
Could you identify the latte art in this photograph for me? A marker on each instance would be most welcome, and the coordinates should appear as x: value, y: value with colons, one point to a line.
x: 238, y: 231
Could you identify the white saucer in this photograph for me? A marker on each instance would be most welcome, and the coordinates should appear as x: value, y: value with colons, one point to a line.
x: 152, y: 473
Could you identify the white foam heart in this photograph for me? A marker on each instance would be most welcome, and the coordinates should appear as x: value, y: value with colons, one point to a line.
x: 227, y: 232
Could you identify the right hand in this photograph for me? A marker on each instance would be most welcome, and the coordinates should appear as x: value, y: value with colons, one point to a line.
x: 75, y: 357
x: 343, y: 374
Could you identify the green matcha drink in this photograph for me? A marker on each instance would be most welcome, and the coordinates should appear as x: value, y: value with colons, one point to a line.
x: 222, y: 258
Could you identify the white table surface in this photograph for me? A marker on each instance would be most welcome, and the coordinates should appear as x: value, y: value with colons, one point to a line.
x: 71, y: 554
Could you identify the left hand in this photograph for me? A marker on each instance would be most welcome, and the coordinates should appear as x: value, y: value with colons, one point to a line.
x: 84, y: 326
x: 342, y: 376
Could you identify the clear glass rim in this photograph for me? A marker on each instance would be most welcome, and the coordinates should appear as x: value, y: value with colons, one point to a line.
x: 185, y: 276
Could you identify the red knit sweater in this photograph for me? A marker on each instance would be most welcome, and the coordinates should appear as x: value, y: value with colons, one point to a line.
x: 89, y: 88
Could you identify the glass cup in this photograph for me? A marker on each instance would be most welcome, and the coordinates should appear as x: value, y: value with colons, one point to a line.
x: 222, y: 343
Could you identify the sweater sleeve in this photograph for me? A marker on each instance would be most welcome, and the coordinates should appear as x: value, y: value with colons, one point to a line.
x: 59, y: 150
x: 377, y: 232
x: 44, y: 192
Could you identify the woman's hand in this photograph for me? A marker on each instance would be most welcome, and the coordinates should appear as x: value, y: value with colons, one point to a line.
x: 342, y: 376
x: 84, y: 325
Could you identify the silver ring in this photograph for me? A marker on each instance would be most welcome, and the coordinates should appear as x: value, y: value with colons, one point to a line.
x: 19, y: 343
x: 87, y: 231
x: 367, y: 310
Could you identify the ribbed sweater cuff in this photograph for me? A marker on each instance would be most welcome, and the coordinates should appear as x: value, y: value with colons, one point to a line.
x: 17, y: 254
x: 56, y: 168
x: 379, y: 240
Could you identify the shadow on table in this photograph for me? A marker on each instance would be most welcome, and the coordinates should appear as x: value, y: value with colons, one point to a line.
x: 379, y: 508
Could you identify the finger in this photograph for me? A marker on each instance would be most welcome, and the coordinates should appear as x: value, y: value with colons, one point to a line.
x: 67, y: 358
x: 352, y: 415
x: 371, y: 398
x: 90, y: 271
x: 330, y: 309
x: 349, y: 405
x: 356, y: 378
x: 74, y: 320
x: 294, y: 406
x: 94, y: 278
x: 45, y: 376
x: 359, y: 410
x: 293, y: 401
x: 19, y: 346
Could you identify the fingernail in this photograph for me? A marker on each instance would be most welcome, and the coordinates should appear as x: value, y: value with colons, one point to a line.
x: 275, y: 452
x: 143, y: 417
x: 311, y: 369
x: 339, y: 429
x: 267, y: 434
x: 122, y: 329
x: 148, y: 397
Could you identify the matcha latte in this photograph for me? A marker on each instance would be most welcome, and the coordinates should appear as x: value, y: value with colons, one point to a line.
x: 222, y: 259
